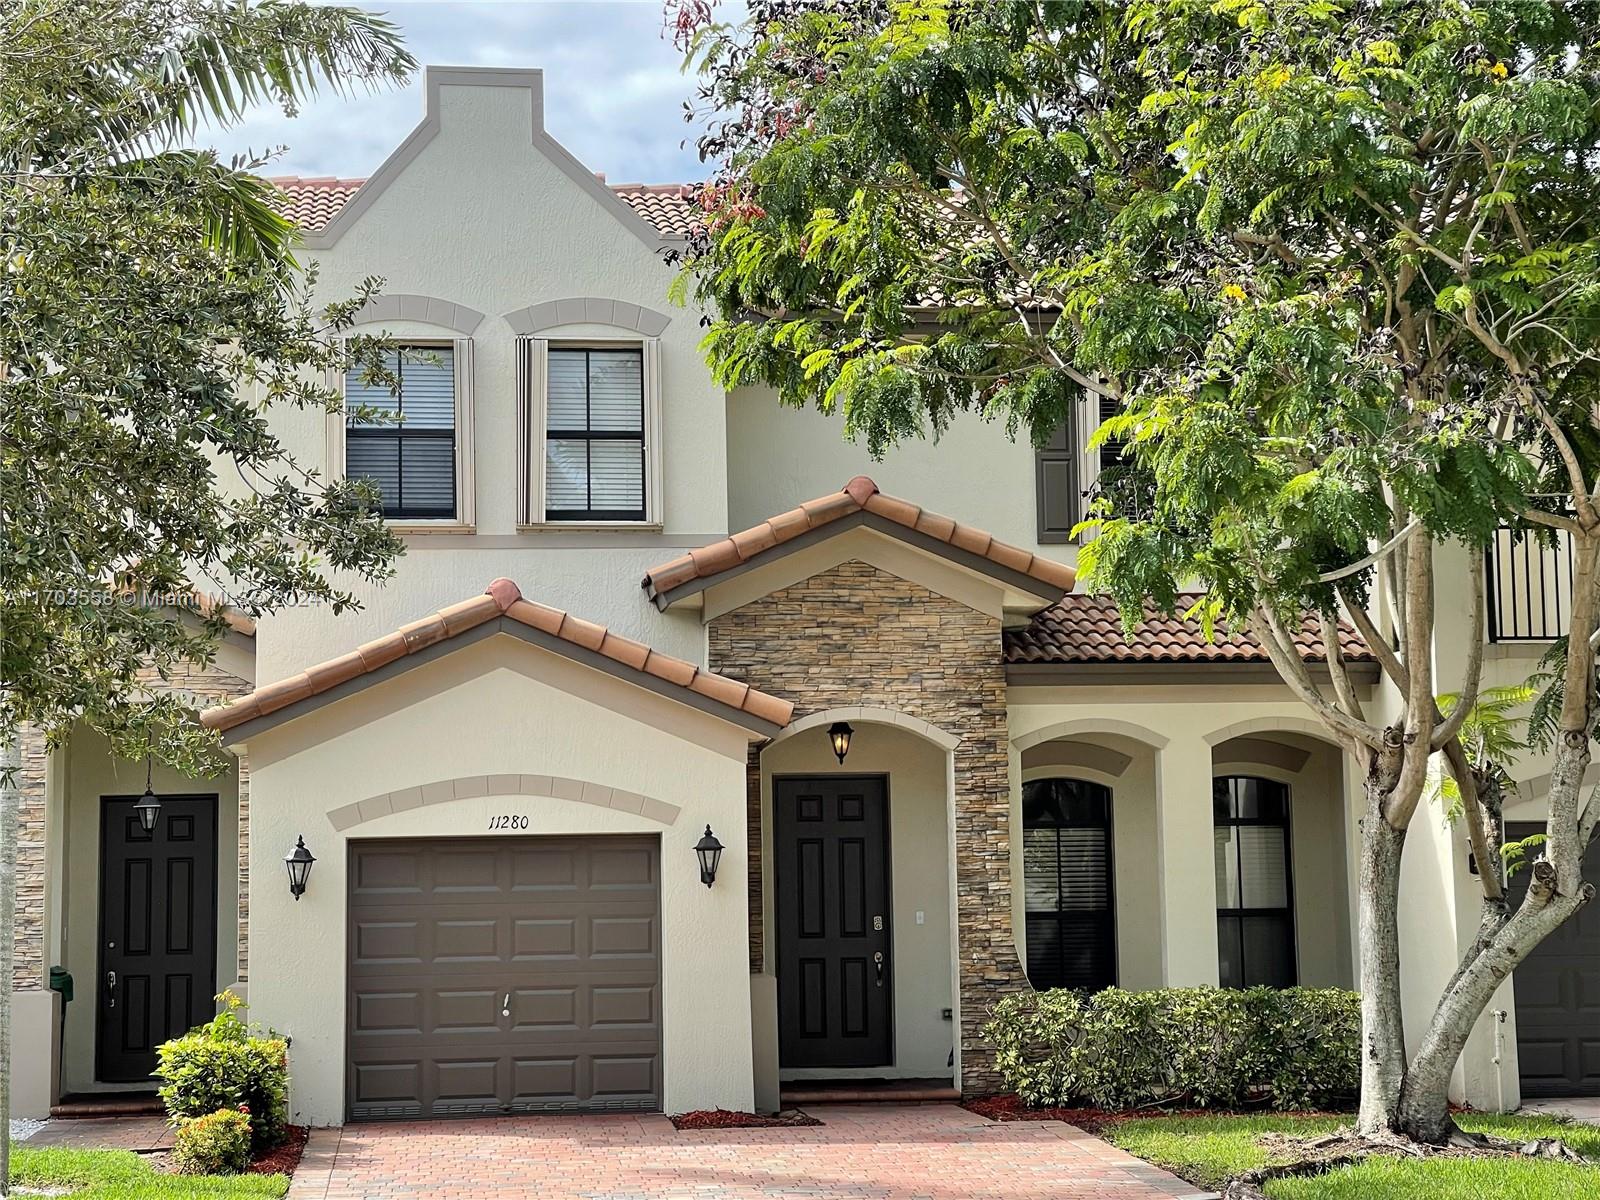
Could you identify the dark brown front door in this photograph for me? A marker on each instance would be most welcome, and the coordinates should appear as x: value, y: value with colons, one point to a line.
x: 504, y: 975
x: 158, y: 930
x: 831, y: 847
x: 1558, y: 995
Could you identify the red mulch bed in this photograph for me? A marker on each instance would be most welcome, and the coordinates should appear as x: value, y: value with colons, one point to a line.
x: 721, y: 1118
x: 285, y: 1158
x: 1093, y: 1120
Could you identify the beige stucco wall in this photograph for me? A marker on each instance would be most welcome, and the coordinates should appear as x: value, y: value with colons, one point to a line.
x: 502, y: 707
x: 919, y: 868
x: 482, y: 218
x: 779, y: 456
x: 92, y: 771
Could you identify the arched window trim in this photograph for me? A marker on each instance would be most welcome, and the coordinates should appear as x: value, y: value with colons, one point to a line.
x: 1240, y: 914
x: 1108, y: 927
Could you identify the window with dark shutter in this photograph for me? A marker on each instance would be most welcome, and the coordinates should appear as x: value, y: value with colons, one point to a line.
x: 1255, y: 900
x: 1056, y: 489
x: 412, y: 460
x: 594, y: 435
x: 1067, y: 883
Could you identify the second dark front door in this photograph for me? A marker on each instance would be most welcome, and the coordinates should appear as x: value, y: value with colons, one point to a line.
x: 831, y: 846
x: 158, y: 930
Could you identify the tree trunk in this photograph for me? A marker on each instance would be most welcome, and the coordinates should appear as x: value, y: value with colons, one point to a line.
x: 1503, y: 941
x: 10, y: 765
x: 1383, y: 1048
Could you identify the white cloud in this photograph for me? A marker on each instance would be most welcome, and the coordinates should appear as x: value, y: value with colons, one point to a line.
x: 613, y: 90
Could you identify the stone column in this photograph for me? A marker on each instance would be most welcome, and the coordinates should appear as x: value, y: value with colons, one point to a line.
x: 1185, y: 853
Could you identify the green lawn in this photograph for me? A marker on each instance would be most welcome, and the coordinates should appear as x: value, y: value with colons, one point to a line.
x: 1207, y: 1150
x: 121, y: 1175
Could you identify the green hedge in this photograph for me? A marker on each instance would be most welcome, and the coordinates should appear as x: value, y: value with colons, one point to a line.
x: 226, y: 1064
x: 1290, y: 1048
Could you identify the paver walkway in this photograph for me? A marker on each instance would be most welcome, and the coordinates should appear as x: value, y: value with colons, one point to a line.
x: 105, y: 1133
x: 926, y: 1152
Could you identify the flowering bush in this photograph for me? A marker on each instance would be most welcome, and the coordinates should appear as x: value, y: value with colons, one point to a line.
x: 215, y: 1144
x: 228, y: 1064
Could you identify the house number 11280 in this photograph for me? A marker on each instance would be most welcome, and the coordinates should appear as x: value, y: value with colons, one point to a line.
x: 508, y: 821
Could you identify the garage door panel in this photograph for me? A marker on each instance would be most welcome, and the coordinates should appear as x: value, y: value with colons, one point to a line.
x: 1558, y: 997
x: 622, y: 870
x: 545, y: 1008
x: 376, y: 942
x: 623, y: 1076
x: 544, y: 939
x: 564, y: 933
x: 466, y: 940
x: 547, y: 1080
x: 622, y: 937
x: 634, y: 1006
x: 544, y: 870
x: 389, y: 1012
x: 378, y: 874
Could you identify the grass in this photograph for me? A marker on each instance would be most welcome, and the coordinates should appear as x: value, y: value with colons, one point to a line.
x: 122, y: 1175
x: 1207, y: 1150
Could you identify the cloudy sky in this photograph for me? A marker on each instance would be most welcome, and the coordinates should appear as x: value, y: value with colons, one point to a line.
x: 613, y: 88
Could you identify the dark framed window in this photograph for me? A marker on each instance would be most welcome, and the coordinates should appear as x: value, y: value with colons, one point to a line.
x: 594, y: 435
x: 412, y: 460
x: 1068, y: 885
x: 1255, y: 894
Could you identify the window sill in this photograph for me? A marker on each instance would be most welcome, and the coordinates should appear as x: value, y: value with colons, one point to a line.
x: 591, y: 527
x: 415, y: 527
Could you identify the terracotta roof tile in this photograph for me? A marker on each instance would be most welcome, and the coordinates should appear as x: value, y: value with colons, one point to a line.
x: 671, y: 208
x: 502, y: 598
x: 1088, y: 629
x: 859, y: 495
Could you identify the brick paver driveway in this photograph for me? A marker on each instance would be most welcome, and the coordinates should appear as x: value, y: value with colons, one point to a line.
x: 929, y: 1152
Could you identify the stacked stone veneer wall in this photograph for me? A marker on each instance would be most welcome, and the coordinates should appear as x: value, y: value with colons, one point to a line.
x: 856, y: 635
x: 207, y: 685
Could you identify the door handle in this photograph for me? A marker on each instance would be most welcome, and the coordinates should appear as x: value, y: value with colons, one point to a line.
x: 111, y: 988
x: 505, y: 1006
x: 877, y: 962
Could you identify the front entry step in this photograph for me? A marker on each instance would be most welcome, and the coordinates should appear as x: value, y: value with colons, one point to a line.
x: 799, y: 1092
x: 89, y: 1105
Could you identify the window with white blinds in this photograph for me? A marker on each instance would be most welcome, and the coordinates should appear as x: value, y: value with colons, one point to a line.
x: 594, y: 427
x: 1067, y: 884
x: 411, y: 454
x: 1255, y: 902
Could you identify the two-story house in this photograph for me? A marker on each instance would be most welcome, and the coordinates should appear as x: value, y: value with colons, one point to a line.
x: 640, y: 618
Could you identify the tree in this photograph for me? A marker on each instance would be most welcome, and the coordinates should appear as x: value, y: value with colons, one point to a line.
x: 152, y: 316
x: 1335, y: 265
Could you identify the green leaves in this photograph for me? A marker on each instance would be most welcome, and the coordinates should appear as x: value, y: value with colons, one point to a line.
x: 152, y: 318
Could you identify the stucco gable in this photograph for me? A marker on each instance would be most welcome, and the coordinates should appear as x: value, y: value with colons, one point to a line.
x: 435, y: 79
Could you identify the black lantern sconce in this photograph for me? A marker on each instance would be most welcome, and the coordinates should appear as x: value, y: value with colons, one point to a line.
x: 298, y: 863
x: 709, y: 851
x: 149, y: 805
x: 840, y: 733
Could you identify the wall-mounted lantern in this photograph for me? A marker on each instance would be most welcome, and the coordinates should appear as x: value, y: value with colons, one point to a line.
x: 149, y: 805
x: 840, y: 733
x: 298, y: 863
x: 709, y: 851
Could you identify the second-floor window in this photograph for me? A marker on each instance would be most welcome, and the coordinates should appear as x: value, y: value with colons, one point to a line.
x: 412, y: 459
x: 594, y: 434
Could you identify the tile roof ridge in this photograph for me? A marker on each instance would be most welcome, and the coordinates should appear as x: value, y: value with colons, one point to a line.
x: 501, y: 598
x: 861, y: 494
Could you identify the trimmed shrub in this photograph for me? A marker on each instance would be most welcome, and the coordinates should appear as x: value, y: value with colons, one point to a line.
x: 215, y: 1144
x: 1201, y: 1047
x: 228, y: 1064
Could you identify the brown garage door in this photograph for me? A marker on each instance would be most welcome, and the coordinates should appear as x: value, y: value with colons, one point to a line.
x: 504, y: 975
x: 1558, y: 996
